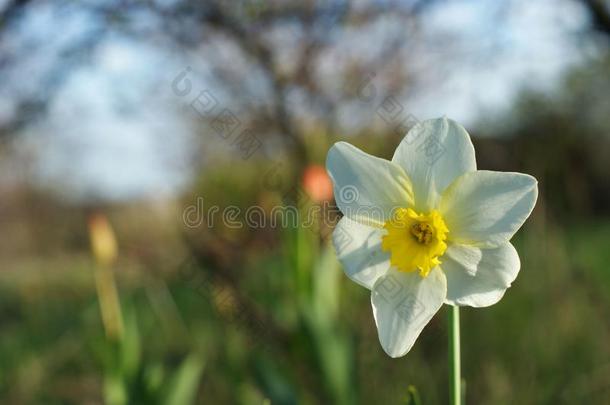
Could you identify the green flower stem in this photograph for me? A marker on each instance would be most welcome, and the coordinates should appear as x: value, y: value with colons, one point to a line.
x: 455, y: 378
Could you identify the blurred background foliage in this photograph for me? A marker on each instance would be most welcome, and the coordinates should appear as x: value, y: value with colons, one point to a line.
x: 114, y: 286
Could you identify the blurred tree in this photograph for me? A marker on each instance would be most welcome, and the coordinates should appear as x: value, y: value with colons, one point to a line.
x: 600, y: 14
x: 280, y: 46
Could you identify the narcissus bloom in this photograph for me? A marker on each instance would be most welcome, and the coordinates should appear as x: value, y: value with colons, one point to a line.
x: 426, y: 228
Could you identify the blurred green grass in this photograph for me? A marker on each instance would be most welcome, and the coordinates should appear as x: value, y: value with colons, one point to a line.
x: 267, y: 314
x: 294, y: 329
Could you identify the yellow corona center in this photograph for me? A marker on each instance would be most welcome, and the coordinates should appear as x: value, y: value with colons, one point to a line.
x: 415, y: 241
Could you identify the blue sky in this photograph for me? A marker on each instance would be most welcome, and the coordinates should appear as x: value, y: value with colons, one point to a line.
x: 115, y: 130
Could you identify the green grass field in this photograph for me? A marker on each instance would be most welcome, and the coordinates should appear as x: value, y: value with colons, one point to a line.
x: 291, y: 328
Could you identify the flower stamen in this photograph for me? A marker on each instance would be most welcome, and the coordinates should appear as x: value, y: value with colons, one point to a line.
x: 422, y: 232
x: 415, y: 241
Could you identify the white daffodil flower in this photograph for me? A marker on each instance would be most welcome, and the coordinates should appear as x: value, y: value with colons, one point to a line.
x: 426, y: 228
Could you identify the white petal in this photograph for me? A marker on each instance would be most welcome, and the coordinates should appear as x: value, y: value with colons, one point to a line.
x: 486, y: 208
x: 358, y: 248
x: 403, y: 303
x: 367, y: 188
x: 433, y: 154
x: 479, y: 277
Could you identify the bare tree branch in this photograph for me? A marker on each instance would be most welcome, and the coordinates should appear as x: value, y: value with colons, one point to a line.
x: 600, y: 15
